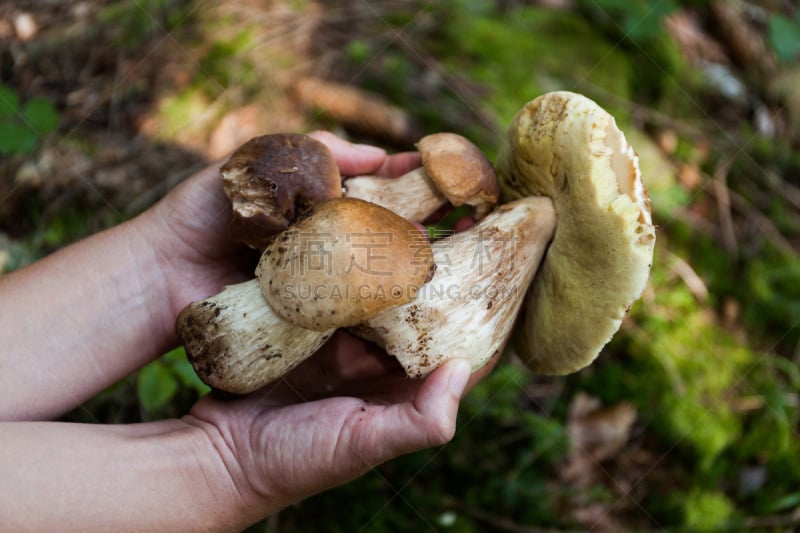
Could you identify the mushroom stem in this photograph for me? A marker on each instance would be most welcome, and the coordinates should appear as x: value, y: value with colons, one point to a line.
x: 414, y: 196
x: 469, y: 307
x: 237, y: 343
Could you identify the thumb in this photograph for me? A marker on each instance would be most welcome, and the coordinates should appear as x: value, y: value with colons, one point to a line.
x: 426, y: 421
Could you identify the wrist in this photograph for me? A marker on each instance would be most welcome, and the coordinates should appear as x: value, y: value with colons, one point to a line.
x: 228, y: 500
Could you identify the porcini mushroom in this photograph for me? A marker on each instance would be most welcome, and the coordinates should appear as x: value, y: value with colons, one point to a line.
x: 564, y: 146
x: 453, y: 169
x: 469, y: 307
x: 347, y: 261
x: 273, y: 178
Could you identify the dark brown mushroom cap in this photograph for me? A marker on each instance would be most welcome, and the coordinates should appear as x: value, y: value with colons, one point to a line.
x: 273, y: 178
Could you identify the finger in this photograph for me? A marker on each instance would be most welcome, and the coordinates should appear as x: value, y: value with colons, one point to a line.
x: 463, y: 224
x: 428, y: 420
x: 398, y: 164
x: 352, y: 159
x: 483, y: 371
x: 341, y: 362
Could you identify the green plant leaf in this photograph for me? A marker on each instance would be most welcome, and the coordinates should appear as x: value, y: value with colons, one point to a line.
x: 9, y: 102
x: 156, y: 386
x: 784, y: 37
x: 183, y: 369
x: 40, y: 115
x: 787, y: 502
x: 16, y: 138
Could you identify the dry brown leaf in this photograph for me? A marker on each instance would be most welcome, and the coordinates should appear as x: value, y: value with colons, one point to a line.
x: 596, y: 434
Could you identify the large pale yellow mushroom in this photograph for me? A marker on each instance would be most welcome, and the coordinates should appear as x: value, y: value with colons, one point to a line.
x: 565, y: 147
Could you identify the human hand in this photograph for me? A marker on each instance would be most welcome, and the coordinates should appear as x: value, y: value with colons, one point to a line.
x: 347, y: 409
x: 341, y: 413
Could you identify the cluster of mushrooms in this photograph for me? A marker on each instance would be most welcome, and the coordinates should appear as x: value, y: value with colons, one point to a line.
x: 554, y: 266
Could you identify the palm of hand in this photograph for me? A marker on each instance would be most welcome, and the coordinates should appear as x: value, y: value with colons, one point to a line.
x: 342, y: 412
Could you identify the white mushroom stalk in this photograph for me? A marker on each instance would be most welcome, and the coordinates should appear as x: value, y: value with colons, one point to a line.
x: 469, y: 307
x: 237, y: 343
x: 413, y: 195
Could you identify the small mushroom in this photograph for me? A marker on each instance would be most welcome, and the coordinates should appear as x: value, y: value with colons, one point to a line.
x: 469, y: 307
x: 564, y: 146
x: 345, y: 262
x: 453, y: 169
x: 273, y: 178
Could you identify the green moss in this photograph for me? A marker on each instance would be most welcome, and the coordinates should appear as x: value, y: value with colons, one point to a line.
x: 708, y: 511
x: 527, y: 51
x: 179, y: 112
x: 681, y: 372
x: 772, y: 293
x: 225, y: 64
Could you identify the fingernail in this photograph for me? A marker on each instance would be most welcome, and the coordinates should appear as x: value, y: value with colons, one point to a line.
x: 459, y: 375
x: 369, y: 148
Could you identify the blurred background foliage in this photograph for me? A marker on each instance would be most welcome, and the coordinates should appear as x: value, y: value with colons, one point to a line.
x: 689, y: 419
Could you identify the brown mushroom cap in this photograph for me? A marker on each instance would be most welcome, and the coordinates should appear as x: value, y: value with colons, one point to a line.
x: 273, y: 178
x: 344, y: 263
x: 460, y: 170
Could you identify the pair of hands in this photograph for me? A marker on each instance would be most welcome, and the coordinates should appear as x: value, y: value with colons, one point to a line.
x: 339, y: 414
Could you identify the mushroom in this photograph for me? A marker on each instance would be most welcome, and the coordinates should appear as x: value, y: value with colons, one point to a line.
x: 273, y: 178
x: 349, y: 261
x: 453, y: 169
x: 343, y: 263
x: 564, y: 146
x: 565, y: 257
x: 469, y: 307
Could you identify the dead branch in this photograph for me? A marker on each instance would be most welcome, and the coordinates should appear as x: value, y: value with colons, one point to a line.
x: 722, y: 194
x: 366, y: 112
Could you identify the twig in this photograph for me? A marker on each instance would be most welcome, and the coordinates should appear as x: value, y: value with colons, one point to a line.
x: 696, y: 222
x: 149, y: 197
x: 457, y: 84
x: 746, y: 45
x: 693, y: 281
x: 367, y: 112
x: 775, y: 521
x: 791, y: 192
x: 721, y: 192
x: 764, y: 224
x: 498, y: 523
